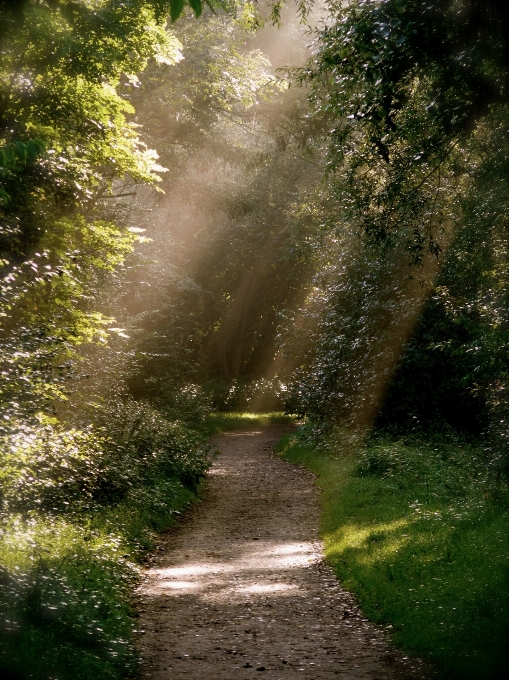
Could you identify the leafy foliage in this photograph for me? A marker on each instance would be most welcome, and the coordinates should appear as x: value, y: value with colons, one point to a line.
x: 65, y: 139
x: 78, y: 508
x: 404, y: 84
x: 414, y: 103
x: 81, y: 491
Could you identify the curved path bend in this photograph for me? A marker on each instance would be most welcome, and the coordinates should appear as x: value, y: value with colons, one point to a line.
x: 240, y: 589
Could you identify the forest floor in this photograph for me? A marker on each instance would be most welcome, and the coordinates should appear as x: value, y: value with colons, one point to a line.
x: 240, y: 586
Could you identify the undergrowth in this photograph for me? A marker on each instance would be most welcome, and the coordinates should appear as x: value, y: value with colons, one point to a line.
x: 79, y: 508
x: 419, y: 531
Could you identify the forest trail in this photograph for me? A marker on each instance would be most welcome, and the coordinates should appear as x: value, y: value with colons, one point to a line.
x: 240, y: 589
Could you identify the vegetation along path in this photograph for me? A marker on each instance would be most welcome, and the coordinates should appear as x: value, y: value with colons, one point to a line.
x: 241, y: 588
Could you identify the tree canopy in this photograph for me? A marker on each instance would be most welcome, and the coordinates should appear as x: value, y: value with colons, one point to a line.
x: 405, y: 84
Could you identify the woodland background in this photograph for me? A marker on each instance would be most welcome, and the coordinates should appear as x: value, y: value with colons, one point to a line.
x: 299, y: 209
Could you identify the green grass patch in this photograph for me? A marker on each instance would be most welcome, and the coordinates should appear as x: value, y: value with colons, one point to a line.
x: 225, y: 421
x: 419, y: 532
x: 67, y: 585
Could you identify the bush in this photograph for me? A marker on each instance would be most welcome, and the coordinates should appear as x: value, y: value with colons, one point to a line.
x: 143, y: 447
x: 256, y: 396
x: 79, y: 508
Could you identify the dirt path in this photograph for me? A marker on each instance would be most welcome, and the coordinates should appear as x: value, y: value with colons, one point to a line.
x: 240, y: 589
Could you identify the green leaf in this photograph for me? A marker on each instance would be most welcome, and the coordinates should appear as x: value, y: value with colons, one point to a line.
x: 35, y: 147
x: 197, y: 6
x: 4, y: 197
x: 22, y: 151
x: 176, y: 7
x: 8, y: 153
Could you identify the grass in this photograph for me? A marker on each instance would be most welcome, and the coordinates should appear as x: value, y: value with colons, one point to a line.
x: 67, y: 586
x: 78, y: 513
x: 420, y: 534
x: 223, y: 422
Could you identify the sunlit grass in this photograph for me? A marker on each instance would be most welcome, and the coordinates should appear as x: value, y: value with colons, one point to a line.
x: 79, y: 511
x: 66, y: 591
x: 224, y: 421
x: 67, y: 587
x: 422, y: 540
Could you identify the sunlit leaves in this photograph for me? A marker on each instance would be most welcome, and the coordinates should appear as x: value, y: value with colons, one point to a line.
x: 67, y: 141
x: 60, y: 96
x: 65, y: 138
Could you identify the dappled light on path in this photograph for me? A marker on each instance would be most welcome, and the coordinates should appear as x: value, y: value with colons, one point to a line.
x: 240, y: 588
x: 255, y: 570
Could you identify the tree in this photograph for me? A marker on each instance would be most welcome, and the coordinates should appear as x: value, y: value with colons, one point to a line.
x: 414, y: 97
x: 230, y: 232
x: 65, y: 139
x: 404, y: 84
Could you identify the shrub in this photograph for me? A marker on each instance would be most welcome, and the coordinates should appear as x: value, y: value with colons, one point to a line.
x: 79, y: 508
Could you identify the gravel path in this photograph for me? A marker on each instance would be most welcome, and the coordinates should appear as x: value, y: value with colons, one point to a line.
x: 240, y: 589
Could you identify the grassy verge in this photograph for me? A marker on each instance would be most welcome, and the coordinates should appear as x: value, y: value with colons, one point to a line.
x: 79, y: 511
x: 420, y: 534
x: 67, y: 588
x: 222, y: 422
